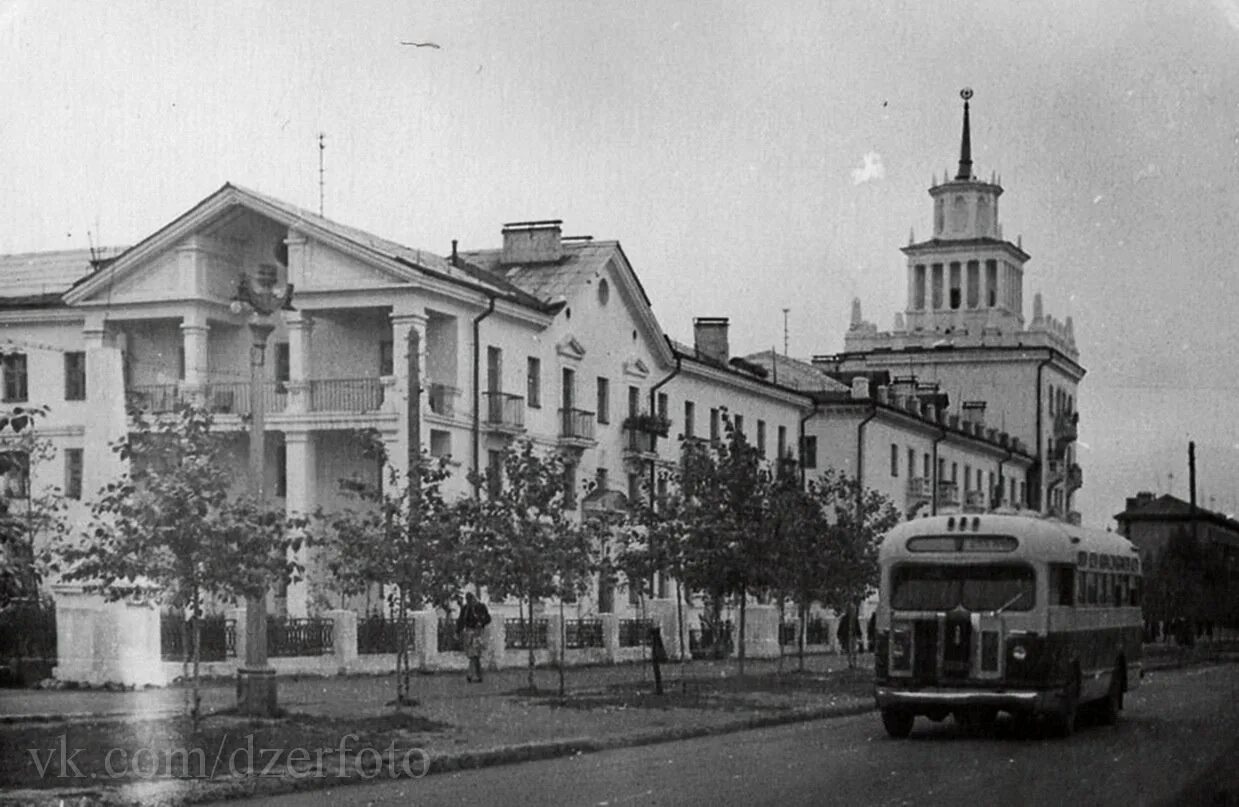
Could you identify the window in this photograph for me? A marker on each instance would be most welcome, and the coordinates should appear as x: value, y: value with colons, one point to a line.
x: 13, y: 366
x: 932, y: 587
x: 911, y: 462
x: 937, y: 285
x: 782, y: 442
x: 533, y: 382
x: 761, y: 438
x: 662, y: 406
x: 739, y: 423
x: 634, y: 488
x: 14, y: 475
x: 440, y: 443
x: 494, y: 369
x: 73, y: 473
x: 955, y: 288
x: 569, y: 485
x: 283, y: 361
x: 281, y: 471
x: 808, y: 451
x: 75, y: 376
x: 918, y: 287
x: 991, y: 283
x: 568, y: 391
x: 634, y: 401
x: 955, y: 472
x: 714, y: 424
x: 967, y: 477
x: 494, y: 473
x: 387, y: 359
x: 1062, y: 584
x: 688, y: 418
x: 926, y: 467
x: 1092, y: 585
x: 974, y: 284
x: 604, y: 400
x: 662, y: 489
x: 894, y: 460
x: 180, y: 362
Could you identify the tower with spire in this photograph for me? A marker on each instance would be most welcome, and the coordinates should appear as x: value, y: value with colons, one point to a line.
x: 963, y: 329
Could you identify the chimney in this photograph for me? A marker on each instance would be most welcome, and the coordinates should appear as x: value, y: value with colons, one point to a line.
x: 1140, y: 500
x: 532, y: 242
x: 860, y: 388
x: 974, y: 413
x: 710, y: 338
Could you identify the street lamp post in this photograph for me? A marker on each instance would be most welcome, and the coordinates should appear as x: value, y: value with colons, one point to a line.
x: 256, y: 689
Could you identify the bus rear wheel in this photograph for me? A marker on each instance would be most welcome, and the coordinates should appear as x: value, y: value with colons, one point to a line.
x: 897, y: 722
x: 1113, y: 702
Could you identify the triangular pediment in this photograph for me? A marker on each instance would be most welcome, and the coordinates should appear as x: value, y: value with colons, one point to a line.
x: 636, y: 368
x: 570, y: 348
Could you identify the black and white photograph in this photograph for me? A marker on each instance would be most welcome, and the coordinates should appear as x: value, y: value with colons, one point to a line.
x: 558, y: 402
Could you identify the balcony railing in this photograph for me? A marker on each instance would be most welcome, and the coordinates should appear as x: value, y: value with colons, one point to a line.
x: 1066, y: 426
x: 441, y: 398
x: 640, y: 442
x: 153, y: 398
x: 576, y: 424
x: 233, y: 398
x: 919, y: 488
x: 948, y: 493
x: 504, y: 411
x: 1075, y: 477
x: 974, y: 498
x: 345, y: 395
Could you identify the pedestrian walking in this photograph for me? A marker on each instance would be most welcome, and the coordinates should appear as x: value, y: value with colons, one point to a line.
x: 470, y: 625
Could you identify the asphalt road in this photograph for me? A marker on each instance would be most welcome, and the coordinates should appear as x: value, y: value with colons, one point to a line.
x: 1173, y: 729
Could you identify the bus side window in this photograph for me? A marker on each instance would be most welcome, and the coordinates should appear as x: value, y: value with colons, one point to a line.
x: 1062, y: 584
x: 1092, y: 587
x: 1081, y: 577
x: 1120, y: 591
x: 1135, y: 589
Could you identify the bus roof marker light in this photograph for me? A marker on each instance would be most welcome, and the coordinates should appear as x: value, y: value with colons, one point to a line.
x: 950, y: 523
x: 976, y: 523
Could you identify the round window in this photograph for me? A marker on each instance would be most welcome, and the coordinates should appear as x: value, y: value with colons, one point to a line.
x: 604, y: 291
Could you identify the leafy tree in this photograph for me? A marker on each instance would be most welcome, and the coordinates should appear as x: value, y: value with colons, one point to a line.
x: 857, y: 518
x: 25, y: 513
x: 405, y: 537
x: 172, y: 528
x: 522, y: 542
x: 726, y: 550
x: 799, y: 552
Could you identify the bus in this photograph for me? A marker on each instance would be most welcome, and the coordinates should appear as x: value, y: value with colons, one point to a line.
x: 982, y: 613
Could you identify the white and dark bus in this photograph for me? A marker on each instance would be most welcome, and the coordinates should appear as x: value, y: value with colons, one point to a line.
x: 981, y: 613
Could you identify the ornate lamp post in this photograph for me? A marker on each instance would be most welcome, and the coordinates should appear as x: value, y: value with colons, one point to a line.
x: 256, y: 691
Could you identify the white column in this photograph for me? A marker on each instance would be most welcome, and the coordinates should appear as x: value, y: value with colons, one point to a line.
x: 106, y: 421
x: 300, y: 331
x: 195, y: 342
x: 405, y: 389
x: 300, y: 499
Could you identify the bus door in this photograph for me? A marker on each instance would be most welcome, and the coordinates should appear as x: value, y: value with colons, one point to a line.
x: 988, y: 659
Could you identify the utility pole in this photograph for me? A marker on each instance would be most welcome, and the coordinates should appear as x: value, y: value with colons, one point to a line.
x: 785, y: 310
x: 1191, y: 483
x: 321, y: 148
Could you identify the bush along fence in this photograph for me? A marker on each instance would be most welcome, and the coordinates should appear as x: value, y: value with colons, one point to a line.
x: 27, y: 642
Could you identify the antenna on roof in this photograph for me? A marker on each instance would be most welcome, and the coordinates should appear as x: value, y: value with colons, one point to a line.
x: 321, y: 148
x: 785, y: 310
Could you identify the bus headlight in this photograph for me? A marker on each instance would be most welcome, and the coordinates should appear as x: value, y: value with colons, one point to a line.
x: 1019, y: 652
x: 901, y: 648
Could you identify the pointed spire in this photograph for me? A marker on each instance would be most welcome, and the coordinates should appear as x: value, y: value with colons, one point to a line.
x: 911, y: 236
x: 965, y: 143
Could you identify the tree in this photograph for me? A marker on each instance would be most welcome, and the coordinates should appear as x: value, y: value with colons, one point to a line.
x: 172, y: 529
x: 25, y: 513
x: 857, y: 518
x: 404, y: 537
x: 800, y: 554
x: 521, y: 541
x: 726, y: 550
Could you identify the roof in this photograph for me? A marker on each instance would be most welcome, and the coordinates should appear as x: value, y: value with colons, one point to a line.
x: 41, y: 277
x: 794, y: 373
x: 958, y: 243
x: 410, y: 256
x: 1045, y: 537
x: 547, y: 282
x: 1171, y: 508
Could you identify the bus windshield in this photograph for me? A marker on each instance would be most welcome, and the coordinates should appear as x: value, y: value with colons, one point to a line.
x: 976, y: 587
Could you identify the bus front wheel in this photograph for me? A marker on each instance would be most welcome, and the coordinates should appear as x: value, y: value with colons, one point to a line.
x: 897, y: 722
x: 1063, y: 722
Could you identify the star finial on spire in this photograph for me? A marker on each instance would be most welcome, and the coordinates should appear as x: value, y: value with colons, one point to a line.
x: 965, y: 144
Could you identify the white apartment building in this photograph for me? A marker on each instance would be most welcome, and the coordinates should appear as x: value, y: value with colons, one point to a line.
x: 547, y: 336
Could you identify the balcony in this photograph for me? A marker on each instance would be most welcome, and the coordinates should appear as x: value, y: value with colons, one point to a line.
x: 639, y: 445
x: 153, y: 398
x: 233, y: 398
x: 442, y: 398
x: 345, y: 395
x: 505, y: 413
x: 576, y: 428
x: 1075, y: 477
x: 1055, y: 471
x: 919, y: 488
x: 1066, y: 427
x: 974, y: 500
x: 948, y: 493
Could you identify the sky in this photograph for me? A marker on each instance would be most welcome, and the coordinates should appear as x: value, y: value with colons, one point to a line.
x: 750, y: 157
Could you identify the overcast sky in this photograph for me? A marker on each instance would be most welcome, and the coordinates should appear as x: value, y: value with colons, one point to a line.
x: 749, y: 156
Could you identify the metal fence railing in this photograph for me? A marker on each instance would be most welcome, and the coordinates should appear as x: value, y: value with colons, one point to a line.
x: 522, y: 634
x: 377, y: 634
x: 576, y: 424
x: 634, y: 632
x: 505, y: 410
x: 581, y: 633
x: 233, y: 397
x: 153, y: 398
x: 217, y: 637
x: 449, y: 639
x: 711, y: 641
x: 345, y: 395
x: 441, y: 398
x: 817, y: 631
x: 299, y: 637
x: 28, y: 630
